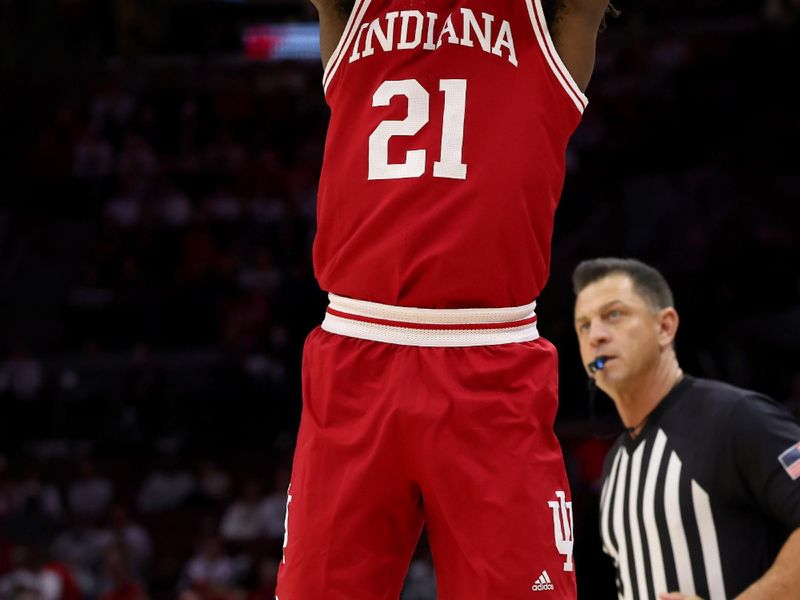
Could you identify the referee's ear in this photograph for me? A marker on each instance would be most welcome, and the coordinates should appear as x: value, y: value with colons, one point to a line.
x: 668, y: 322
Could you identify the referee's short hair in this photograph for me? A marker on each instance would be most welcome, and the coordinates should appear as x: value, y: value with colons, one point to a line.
x: 647, y: 281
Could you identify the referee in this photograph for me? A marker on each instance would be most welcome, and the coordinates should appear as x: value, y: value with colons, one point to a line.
x: 701, y: 493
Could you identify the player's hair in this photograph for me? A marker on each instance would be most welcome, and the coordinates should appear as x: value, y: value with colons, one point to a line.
x: 553, y: 8
x: 647, y: 281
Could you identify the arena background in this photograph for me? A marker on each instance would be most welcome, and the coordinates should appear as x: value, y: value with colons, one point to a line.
x: 157, y: 193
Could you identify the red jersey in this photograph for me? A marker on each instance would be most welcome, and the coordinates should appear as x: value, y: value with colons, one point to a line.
x: 445, y: 154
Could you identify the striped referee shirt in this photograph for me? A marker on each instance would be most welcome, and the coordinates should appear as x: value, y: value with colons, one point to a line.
x: 703, y: 499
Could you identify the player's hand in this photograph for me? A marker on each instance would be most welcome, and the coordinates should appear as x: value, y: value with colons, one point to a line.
x: 677, y: 596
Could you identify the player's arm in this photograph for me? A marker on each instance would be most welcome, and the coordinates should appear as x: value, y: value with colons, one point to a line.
x: 575, y: 32
x: 333, y: 16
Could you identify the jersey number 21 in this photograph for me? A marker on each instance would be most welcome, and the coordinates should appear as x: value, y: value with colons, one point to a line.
x: 450, y: 165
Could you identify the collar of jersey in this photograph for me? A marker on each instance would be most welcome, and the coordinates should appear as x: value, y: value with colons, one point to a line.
x: 651, y: 423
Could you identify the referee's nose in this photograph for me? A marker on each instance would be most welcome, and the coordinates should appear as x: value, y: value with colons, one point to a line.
x: 599, y: 333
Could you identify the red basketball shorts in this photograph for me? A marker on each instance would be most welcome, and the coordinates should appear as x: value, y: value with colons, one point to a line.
x: 415, y: 416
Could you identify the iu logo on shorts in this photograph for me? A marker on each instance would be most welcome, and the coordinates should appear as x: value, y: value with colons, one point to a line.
x: 562, y: 527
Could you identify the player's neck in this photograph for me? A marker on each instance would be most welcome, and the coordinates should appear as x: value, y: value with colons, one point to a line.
x: 639, y: 398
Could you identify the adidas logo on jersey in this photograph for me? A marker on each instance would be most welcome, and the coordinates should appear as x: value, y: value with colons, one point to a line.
x: 543, y: 584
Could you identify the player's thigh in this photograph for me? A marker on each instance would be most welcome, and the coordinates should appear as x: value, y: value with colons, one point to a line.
x: 513, y: 540
x: 496, y: 496
x: 351, y: 530
x: 354, y: 515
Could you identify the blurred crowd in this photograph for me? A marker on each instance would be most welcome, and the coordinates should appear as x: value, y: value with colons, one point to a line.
x: 159, y: 251
x: 186, y: 242
x: 168, y: 526
x: 171, y: 530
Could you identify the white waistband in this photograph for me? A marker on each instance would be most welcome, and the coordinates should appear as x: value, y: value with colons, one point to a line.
x: 430, y: 327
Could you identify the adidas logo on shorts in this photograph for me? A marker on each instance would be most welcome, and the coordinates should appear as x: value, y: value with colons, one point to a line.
x: 543, y: 584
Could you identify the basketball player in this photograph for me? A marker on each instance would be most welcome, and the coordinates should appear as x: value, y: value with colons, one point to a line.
x: 701, y: 493
x: 429, y: 396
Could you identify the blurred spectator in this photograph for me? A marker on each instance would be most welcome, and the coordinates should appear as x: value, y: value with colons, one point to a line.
x: 267, y: 573
x: 33, y: 578
x: 175, y: 208
x: 199, y: 254
x: 21, y: 375
x: 246, y: 321
x: 243, y: 519
x: 129, y: 537
x: 29, y: 523
x: 187, y: 161
x: 124, y: 211
x: 89, y: 301
x: 52, y: 155
x: 273, y: 508
x: 213, y: 482
x: 79, y: 546
x: 167, y: 487
x: 118, y: 582
x: 137, y: 159
x: 90, y: 494
x: 6, y: 494
x: 225, y: 155
x: 30, y: 580
x: 34, y: 492
x: 112, y: 105
x: 21, y: 386
x: 222, y: 205
x: 260, y: 274
x: 133, y: 309
x: 145, y: 391
x: 420, y: 582
x: 6, y: 556
x: 589, y: 453
x: 265, y: 210
x: 210, y: 574
x: 70, y: 590
x: 94, y: 156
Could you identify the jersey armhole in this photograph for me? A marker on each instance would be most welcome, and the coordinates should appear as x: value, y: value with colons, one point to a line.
x: 350, y: 29
x: 560, y: 71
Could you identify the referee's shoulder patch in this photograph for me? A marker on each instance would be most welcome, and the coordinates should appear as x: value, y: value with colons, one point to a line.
x: 790, y: 461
